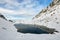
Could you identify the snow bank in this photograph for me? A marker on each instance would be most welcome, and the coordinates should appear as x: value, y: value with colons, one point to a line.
x: 8, y: 32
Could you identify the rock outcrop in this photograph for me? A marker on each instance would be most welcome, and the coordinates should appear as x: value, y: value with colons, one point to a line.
x: 2, y: 16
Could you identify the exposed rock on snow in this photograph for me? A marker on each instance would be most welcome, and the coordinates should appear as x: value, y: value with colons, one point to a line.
x: 2, y: 16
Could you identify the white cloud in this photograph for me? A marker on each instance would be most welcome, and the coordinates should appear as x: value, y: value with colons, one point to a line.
x: 13, y: 12
x: 6, y: 11
x: 26, y: 8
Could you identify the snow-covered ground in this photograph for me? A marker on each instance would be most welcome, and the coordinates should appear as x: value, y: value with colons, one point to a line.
x: 9, y: 32
x: 51, y: 18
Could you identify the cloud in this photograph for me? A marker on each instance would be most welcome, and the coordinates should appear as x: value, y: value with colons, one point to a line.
x: 7, y: 11
x: 24, y: 8
x: 18, y: 4
x: 12, y: 13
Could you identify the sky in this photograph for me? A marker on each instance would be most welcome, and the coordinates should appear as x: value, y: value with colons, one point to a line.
x: 22, y: 9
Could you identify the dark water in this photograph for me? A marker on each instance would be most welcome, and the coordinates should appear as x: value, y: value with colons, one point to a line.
x: 32, y: 30
x: 29, y: 28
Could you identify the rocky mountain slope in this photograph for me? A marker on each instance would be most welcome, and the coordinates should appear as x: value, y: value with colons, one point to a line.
x: 49, y: 9
x: 50, y: 16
